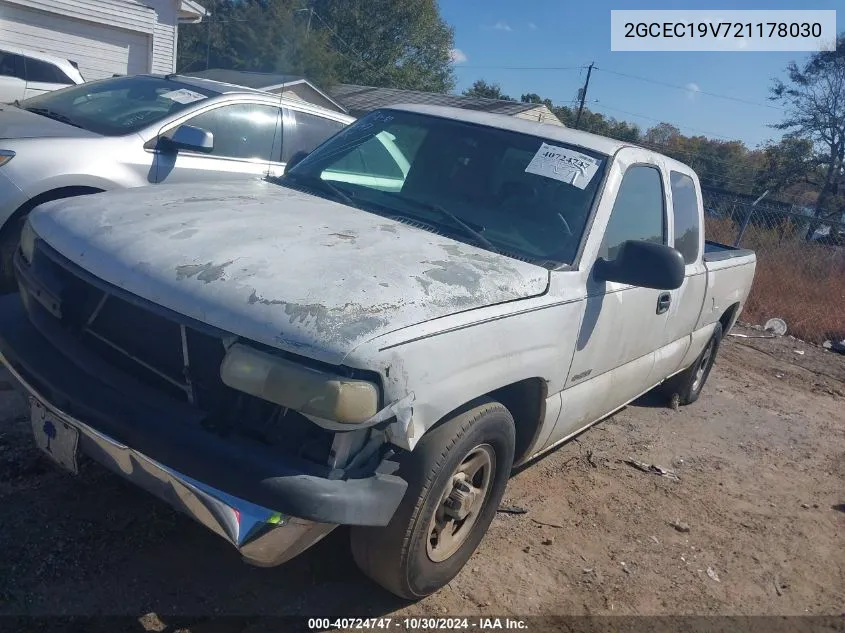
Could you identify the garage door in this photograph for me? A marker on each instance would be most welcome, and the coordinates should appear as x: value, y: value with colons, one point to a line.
x: 99, y: 50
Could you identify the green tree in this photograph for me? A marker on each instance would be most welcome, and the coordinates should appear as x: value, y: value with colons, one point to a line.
x: 814, y: 98
x: 257, y: 36
x: 662, y: 134
x: 481, y: 88
x: 395, y: 43
x: 787, y: 165
x: 533, y: 97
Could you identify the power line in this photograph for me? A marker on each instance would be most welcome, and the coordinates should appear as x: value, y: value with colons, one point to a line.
x: 651, y: 118
x: 685, y: 89
x: 522, y: 67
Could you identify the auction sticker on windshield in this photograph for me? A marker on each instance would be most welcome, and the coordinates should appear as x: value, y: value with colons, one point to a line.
x: 183, y: 96
x: 563, y: 164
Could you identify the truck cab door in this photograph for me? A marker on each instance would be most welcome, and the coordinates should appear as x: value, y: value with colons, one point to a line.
x: 622, y: 325
x: 686, y: 302
x: 247, y: 141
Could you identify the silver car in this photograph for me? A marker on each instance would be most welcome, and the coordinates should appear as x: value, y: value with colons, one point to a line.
x: 142, y: 130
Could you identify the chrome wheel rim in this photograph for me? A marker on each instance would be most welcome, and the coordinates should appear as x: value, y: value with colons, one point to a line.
x: 702, y: 366
x: 461, y: 503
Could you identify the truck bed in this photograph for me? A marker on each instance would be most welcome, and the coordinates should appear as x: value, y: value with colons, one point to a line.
x: 730, y: 272
x: 716, y: 252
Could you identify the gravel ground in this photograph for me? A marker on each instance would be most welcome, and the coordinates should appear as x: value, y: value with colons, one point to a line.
x: 753, y: 526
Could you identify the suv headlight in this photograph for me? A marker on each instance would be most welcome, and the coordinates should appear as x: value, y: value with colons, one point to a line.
x: 27, y: 242
x: 309, y: 391
x: 5, y: 156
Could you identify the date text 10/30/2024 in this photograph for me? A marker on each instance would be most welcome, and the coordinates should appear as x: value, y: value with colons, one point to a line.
x: 418, y: 624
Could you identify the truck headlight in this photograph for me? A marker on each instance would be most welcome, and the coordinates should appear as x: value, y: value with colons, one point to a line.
x: 27, y: 242
x: 309, y: 391
x: 5, y: 156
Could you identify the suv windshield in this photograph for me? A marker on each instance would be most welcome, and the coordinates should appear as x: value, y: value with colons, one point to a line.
x: 116, y: 106
x: 520, y: 195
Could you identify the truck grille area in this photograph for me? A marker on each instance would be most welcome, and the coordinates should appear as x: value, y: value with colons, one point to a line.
x: 167, y: 355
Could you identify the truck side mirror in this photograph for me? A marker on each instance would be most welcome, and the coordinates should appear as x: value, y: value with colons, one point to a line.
x: 643, y: 264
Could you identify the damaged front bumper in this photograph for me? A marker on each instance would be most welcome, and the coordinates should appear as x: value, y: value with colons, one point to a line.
x: 270, y: 507
x: 264, y: 537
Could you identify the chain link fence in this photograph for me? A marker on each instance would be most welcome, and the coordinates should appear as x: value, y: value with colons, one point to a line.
x: 800, y: 274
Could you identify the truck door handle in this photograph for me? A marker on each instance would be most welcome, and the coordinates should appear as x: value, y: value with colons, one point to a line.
x: 663, y: 302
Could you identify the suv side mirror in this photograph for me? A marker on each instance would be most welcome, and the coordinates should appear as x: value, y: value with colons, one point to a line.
x: 190, y: 138
x: 643, y: 264
x: 297, y: 157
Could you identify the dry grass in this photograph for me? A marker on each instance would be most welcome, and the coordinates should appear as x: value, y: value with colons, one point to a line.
x: 800, y: 282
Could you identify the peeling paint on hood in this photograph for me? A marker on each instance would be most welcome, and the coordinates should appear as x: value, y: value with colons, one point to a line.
x: 277, y: 266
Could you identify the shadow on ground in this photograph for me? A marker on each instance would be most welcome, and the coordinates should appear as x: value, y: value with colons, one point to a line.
x: 84, y: 529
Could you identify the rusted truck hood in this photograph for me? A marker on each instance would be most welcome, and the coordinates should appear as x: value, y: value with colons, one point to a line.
x: 277, y: 266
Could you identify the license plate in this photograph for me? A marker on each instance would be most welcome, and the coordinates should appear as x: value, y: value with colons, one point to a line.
x: 56, y: 438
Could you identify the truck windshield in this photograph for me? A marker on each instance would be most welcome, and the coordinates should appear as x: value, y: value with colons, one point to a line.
x: 520, y: 195
x: 117, y: 106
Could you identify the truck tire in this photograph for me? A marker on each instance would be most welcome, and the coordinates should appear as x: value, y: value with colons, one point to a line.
x: 456, y: 477
x: 689, y: 383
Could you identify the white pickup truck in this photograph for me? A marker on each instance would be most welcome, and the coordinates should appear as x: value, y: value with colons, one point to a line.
x: 375, y: 339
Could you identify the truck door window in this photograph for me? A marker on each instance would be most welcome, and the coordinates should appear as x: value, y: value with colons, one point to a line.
x: 685, y: 210
x: 241, y: 130
x: 43, y: 72
x: 307, y: 132
x: 11, y: 65
x: 638, y: 213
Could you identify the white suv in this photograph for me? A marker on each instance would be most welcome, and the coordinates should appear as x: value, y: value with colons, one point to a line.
x: 25, y: 73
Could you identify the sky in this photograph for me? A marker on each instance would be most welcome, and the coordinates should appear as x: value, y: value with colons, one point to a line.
x: 503, y: 41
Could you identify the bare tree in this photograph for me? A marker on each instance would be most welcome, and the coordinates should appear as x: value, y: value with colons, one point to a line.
x: 814, y: 99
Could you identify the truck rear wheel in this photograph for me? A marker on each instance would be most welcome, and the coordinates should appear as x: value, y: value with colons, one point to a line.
x: 689, y: 383
x: 456, y: 477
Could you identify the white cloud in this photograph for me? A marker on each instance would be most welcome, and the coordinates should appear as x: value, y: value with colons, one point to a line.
x: 532, y: 26
x: 501, y: 25
x: 457, y: 56
x: 692, y: 90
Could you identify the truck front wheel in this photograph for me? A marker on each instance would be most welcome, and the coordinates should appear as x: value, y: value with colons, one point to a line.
x: 456, y: 477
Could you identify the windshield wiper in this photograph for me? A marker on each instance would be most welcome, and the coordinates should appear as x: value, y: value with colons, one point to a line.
x: 455, y: 220
x: 324, y: 185
x: 56, y: 116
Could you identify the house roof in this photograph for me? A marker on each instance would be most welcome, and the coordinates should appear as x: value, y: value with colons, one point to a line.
x: 259, y: 81
x: 269, y: 82
x: 361, y: 99
x: 191, y: 11
x: 549, y: 131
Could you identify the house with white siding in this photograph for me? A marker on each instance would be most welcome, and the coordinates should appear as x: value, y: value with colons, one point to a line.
x: 102, y: 37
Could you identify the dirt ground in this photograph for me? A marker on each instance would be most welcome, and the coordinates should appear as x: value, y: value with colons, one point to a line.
x: 761, y: 490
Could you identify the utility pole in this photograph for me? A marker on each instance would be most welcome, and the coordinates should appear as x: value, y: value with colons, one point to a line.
x: 584, y: 94
x: 308, y: 28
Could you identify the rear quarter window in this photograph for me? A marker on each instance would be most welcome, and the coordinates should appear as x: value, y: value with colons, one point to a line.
x: 685, y: 210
